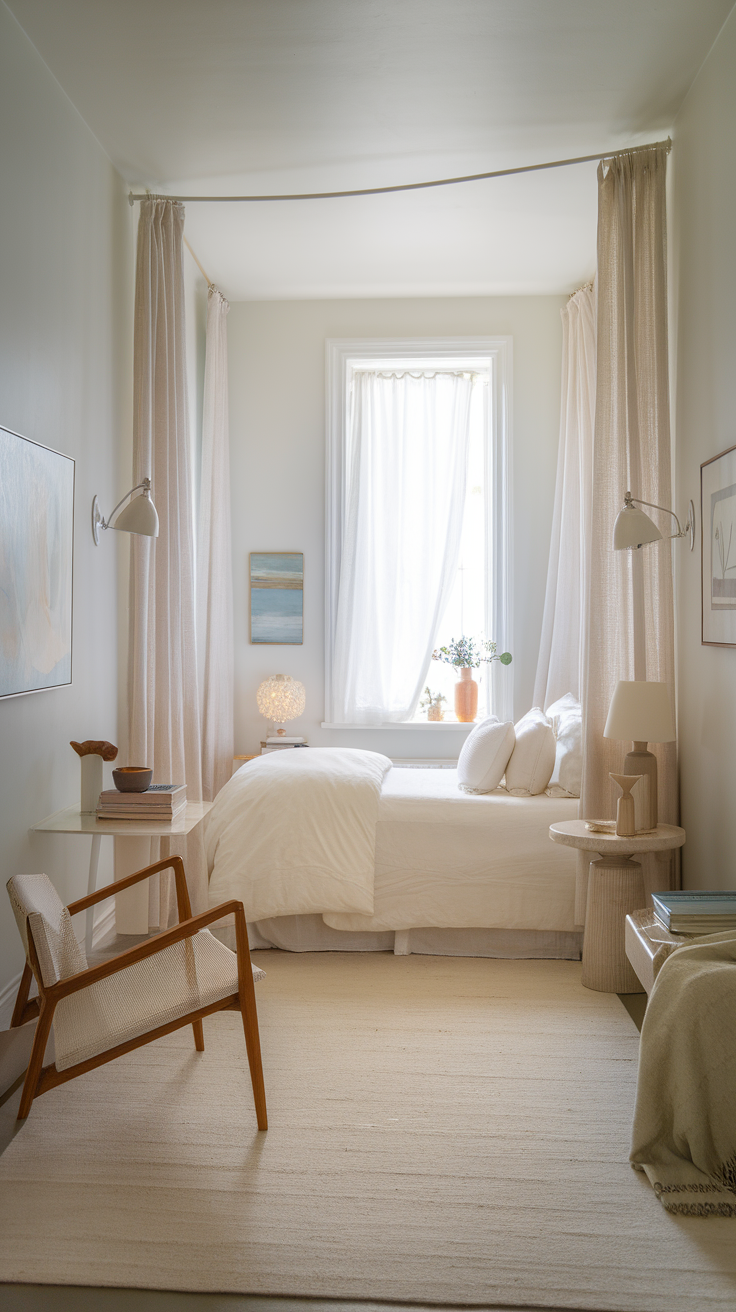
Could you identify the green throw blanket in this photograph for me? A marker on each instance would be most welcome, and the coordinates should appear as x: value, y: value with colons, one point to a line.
x: 684, y: 1134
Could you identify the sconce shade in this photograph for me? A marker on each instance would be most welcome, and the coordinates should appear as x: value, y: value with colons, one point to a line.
x: 634, y: 529
x: 281, y: 698
x: 641, y: 711
x: 140, y: 516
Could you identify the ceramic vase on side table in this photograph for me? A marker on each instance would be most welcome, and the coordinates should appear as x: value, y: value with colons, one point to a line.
x: 466, y: 696
x: 625, y: 811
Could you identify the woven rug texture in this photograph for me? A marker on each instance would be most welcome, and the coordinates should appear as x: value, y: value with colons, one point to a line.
x: 442, y: 1130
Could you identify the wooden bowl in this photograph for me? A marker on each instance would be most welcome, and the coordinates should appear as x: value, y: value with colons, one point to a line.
x: 132, y: 778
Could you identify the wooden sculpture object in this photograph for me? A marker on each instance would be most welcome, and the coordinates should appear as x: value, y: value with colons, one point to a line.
x: 92, y: 752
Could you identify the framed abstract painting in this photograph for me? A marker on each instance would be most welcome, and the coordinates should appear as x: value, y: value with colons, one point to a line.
x: 718, y: 538
x: 277, y: 597
x: 36, y: 560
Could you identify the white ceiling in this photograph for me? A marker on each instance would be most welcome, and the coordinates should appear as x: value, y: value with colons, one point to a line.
x: 232, y: 96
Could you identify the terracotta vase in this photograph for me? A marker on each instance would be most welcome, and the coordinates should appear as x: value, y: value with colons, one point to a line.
x: 466, y: 696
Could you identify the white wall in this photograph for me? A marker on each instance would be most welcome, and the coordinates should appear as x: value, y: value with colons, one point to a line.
x: 65, y: 303
x: 277, y: 424
x: 703, y: 231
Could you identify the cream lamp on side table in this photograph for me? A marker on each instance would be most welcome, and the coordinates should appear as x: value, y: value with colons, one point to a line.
x: 641, y: 710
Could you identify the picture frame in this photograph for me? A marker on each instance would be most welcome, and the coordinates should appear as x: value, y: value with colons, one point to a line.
x: 276, y: 598
x: 36, y: 566
x: 718, y: 549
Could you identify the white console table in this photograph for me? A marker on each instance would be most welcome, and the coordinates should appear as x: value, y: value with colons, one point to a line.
x: 130, y: 854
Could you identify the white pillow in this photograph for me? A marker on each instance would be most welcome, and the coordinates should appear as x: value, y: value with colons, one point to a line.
x: 566, y: 715
x: 533, y: 759
x: 485, y: 755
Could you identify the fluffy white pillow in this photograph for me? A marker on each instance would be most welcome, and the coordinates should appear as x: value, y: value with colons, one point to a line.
x: 485, y: 755
x: 566, y: 716
x: 533, y: 759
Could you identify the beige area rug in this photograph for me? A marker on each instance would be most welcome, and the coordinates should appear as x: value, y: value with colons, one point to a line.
x: 443, y: 1130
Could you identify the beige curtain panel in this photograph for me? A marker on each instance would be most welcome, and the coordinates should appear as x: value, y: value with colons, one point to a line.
x: 630, y: 628
x: 214, y: 563
x: 163, y: 706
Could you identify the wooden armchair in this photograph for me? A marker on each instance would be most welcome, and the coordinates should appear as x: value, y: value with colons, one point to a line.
x: 100, y: 1012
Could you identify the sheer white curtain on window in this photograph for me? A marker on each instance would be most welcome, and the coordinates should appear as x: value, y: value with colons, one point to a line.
x: 560, y: 665
x: 214, y: 565
x: 406, y: 471
x: 163, y: 709
x: 629, y: 592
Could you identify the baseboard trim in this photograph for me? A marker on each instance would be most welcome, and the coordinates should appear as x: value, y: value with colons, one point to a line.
x: 103, y: 926
x: 7, y: 1001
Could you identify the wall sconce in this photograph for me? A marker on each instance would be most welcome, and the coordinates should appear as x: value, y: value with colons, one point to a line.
x: 634, y: 529
x: 140, y: 516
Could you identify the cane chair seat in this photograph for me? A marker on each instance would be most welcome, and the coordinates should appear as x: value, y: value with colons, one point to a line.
x: 181, y: 978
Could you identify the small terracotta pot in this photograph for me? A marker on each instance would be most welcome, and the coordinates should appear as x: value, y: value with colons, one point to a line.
x: 435, y: 713
x: 466, y: 696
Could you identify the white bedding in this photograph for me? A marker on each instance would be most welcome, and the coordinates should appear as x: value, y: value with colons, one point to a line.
x: 294, y: 832
x: 440, y: 857
x: 449, y: 859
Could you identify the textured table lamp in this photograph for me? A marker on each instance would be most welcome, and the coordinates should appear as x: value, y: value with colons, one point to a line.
x: 280, y: 699
x: 642, y: 711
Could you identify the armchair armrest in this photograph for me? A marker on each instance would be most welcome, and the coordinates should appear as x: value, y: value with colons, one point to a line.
x: 185, y: 929
x: 174, y: 863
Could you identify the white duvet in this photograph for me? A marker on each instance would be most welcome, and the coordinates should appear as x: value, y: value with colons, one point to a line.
x: 294, y: 832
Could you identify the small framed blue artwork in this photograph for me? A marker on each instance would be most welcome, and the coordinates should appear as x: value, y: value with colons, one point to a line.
x: 277, y: 597
x: 36, y: 560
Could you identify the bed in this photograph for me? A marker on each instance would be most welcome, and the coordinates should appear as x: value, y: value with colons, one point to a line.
x: 443, y: 872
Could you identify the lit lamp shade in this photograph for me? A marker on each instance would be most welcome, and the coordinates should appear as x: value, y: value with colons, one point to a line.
x: 281, y: 698
x: 634, y: 529
x: 641, y: 711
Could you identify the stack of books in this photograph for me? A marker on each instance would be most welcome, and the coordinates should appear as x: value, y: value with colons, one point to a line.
x: 690, y: 912
x: 159, y: 802
x: 278, y: 744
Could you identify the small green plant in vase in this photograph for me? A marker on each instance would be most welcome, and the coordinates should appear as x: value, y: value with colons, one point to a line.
x: 466, y: 655
x: 432, y: 704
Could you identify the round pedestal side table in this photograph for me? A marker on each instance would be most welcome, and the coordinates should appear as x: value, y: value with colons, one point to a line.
x: 615, y: 888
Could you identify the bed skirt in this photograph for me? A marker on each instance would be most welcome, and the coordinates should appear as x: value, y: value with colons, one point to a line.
x: 311, y: 934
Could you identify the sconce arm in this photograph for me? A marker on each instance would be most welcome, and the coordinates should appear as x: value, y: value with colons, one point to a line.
x: 687, y: 531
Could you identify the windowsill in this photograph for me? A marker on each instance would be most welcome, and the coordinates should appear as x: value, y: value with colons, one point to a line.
x: 411, y: 725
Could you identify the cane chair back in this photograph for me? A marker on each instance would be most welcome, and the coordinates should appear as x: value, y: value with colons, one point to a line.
x: 37, y: 907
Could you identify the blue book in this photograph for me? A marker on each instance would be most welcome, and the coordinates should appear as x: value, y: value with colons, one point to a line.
x: 691, y: 912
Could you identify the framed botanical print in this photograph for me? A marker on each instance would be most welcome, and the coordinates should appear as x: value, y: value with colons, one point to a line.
x: 277, y: 597
x: 718, y: 537
x: 36, y: 560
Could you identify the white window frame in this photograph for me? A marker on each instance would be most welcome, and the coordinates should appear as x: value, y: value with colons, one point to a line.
x: 340, y: 353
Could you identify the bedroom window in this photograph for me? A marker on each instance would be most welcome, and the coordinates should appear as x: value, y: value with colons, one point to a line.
x: 417, y: 521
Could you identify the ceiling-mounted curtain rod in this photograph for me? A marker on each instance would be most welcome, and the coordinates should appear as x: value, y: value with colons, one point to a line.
x: 416, y: 186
